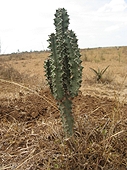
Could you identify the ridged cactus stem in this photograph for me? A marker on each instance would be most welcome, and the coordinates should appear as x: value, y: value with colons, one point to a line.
x: 63, y: 67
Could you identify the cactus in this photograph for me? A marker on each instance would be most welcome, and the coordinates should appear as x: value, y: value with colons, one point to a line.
x: 63, y: 67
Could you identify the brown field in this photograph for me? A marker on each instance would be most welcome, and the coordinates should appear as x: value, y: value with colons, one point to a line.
x: 31, y: 134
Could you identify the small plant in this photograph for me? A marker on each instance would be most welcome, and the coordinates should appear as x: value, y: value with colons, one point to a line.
x: 99, y: 73
x: 63, y: 68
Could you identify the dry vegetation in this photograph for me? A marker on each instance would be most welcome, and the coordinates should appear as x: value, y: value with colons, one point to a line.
x: 31, y: 134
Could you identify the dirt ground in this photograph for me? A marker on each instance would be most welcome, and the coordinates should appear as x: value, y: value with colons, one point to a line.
x: 31, y: 134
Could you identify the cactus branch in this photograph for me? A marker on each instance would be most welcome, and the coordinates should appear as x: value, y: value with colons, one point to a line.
x: 63, y: 67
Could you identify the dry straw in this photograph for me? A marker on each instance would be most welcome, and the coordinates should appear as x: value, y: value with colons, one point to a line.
x: 99, y: 141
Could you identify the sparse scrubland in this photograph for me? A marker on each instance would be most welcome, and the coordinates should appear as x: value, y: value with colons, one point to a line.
x: 30, y: 125
x: 94, y: 119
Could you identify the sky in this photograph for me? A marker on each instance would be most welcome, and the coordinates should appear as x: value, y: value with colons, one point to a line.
x: 26, y: 24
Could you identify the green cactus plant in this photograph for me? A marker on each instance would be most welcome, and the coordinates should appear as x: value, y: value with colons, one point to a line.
x: 63, y: 67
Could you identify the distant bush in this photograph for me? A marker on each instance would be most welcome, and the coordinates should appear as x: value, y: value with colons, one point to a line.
x: 7, y: 72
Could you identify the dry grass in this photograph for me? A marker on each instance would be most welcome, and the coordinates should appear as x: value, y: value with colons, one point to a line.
x: 99, y: 142
x: 97, y: 55
x: 9, y: 73
x: 31, y: 133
